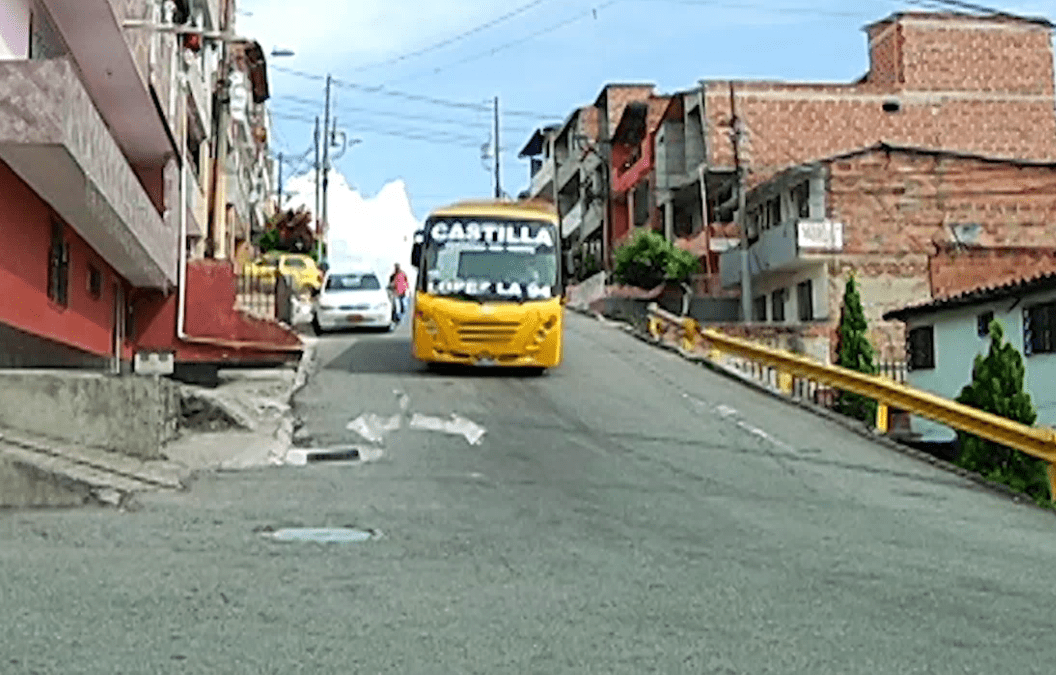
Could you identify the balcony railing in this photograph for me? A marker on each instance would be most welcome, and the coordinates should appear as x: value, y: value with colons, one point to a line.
x: 543, y: 177
x: 782, y: 248
x: 201, y: 101
x: 572, y: 220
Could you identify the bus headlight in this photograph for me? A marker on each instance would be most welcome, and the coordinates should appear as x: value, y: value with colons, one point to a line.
x: 427, y: 323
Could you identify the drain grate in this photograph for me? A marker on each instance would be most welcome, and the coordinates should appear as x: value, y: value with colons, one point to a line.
x: 323, y: 535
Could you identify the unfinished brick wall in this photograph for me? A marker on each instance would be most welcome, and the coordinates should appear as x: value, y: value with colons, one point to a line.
x: 616, y: 97
x: 901, y: 211
x: 960, y: 83
x: 957, y: 270
x: 976, y: 54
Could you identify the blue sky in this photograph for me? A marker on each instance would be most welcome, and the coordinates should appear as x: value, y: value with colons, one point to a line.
x: 542, y: 58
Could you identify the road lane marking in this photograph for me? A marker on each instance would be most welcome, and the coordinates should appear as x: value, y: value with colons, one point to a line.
x: 375, y: 428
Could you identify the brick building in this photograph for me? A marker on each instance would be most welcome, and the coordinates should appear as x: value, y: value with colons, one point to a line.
x: 943, y: 81
x: 911, y: 224
x: 956, y: 85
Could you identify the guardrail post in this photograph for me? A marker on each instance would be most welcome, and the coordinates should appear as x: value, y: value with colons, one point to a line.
x: 785, y: 382
x: 690, y: 333
x: 882, y: 414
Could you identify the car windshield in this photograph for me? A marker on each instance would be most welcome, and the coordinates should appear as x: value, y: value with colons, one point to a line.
x: 487, y: 259
x: 353, y: 282
x: 295, y: 262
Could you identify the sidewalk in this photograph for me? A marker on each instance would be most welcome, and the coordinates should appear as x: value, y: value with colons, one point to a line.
x: 246, y: 422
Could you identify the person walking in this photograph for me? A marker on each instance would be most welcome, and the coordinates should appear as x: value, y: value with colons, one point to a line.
x: 399, y: 286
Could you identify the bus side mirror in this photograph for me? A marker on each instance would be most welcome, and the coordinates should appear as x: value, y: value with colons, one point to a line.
x: 416, y: 254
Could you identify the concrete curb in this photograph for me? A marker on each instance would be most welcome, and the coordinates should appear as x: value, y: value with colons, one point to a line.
x: 108, y: 478
x: 855, y: 426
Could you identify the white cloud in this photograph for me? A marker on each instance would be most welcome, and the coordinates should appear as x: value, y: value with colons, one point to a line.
x: 361, y: 31
x: 373, y: 232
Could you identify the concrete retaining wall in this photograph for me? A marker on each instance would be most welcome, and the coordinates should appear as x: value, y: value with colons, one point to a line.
x: 133, y: 416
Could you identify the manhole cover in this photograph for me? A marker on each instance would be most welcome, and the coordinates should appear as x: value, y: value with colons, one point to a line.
x: 326, y: 535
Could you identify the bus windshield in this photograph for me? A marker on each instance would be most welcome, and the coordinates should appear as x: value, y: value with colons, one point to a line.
x: 486, y: 259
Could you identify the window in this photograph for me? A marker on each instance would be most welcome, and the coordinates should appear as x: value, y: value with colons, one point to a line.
x: 58, y: 265
x: 805, y: 300
x: 44, y: 40
x: 759, y: 308
x: 778, y: 302
x: 352, y: 282
x: 95, y: 282
x: 920, y: 348
x: 983, y: 324
x: 773, y: 212
x: 801, y: 199
x: 1039, y: 329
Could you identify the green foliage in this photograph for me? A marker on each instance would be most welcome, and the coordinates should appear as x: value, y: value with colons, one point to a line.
x: 997, y: 387
x: 269, y: 241
x: 588, y: 266
x: 649, y: 259
x: 855, y: 353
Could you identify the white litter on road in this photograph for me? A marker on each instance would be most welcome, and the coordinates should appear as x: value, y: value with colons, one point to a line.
x: 403, y: 399
x: 374, y: 427
x: 456, y: 426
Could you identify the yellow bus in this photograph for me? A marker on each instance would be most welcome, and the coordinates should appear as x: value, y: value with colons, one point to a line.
x: 489, y: 288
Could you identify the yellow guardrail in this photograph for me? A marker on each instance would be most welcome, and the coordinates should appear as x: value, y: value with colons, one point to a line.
x: 1039, y: 442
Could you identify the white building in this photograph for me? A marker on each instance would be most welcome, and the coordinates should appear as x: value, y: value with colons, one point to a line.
x: 944, y: 336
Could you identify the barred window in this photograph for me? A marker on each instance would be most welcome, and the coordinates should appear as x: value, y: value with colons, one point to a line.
x: 778, y: 301
x: 759, y: 309
x: 805, y: 300
x: 983, y: 327
x: 59, y: 266
x: 920, y: 348
x: 1039, y: 329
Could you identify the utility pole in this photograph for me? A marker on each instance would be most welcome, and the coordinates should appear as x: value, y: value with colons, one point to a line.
x: 498, y: 155
x: 742, y: 220
x: 318, y: 221
x: 326, y: 167
x: 280, y: 182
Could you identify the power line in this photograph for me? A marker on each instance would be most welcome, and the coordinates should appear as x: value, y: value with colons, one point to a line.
x: 769, y: 8
x: 380, y: 90
x: 451, y: 134
x: 513, y: 43
x: 445, y: 138
x: 960, y: 4
x: 461, y: 36
x: 481, y: 124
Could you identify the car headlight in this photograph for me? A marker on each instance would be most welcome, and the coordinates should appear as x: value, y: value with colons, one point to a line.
x: 327, y: 307
x: 381, y: 305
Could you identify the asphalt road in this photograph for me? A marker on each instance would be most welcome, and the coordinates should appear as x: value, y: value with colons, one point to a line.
x: 625, y: 513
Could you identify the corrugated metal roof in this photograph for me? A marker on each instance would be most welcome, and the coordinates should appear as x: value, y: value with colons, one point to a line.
x: 1042, y: 282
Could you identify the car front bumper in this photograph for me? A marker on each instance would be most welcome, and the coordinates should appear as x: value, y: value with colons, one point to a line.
x: 346, y: 318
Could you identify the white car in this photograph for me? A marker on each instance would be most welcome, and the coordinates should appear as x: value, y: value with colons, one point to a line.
x: 352, y: 300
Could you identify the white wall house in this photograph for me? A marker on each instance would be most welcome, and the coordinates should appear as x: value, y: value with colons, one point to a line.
x: 944, y: 337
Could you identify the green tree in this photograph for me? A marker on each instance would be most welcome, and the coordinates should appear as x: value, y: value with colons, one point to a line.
x: 855, y: 352
x: 997, y: 387
x: 648, y: 260
x: 269, y: 241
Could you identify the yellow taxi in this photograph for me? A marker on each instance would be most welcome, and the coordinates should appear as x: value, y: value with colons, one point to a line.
x: 300, y: 268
